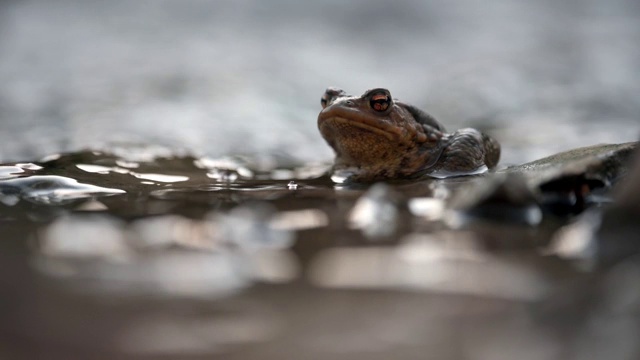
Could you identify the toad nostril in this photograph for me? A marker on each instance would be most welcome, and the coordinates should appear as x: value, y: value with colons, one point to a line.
x: 349, y: 103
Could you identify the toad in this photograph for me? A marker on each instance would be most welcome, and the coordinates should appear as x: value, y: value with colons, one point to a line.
x: 376, y: 137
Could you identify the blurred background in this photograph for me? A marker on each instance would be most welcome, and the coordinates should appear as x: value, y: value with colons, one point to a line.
x: 246, y: 76
x: 121, y: 256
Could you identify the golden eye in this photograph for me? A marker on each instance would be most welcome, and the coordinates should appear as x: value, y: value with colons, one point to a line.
x: 380, y: 101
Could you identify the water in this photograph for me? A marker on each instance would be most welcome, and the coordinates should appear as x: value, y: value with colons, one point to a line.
x: 185, y: 264
x: 164, y: 192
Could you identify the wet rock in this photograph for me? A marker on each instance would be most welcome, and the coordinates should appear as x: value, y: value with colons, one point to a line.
x: 605, y: 236
x: 568, y: 182
x: 520, y: 196
x: 565, y: 183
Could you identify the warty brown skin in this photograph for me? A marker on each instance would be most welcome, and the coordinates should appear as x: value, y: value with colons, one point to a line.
x: 376, y: 138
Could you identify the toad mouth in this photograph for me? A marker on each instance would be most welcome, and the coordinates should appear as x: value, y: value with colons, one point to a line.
x: 385, y: 131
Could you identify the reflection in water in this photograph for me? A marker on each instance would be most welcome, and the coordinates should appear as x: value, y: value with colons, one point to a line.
x: 51, y: 189
x: 7, y: 172
x: 99, y: 169
x: 161, y: 232
x: 154, y: 177
x: 376, y: 212
x: 248, y: 227
x: 161, y: 177
x: 92, y: 205
x: 429, y: 208
x: 173, y: 254
x: 300, y: 219
x: 170, y: 274
x: 223, y: 175
x: 85, y: 237
x: 576, y: 241
x: 292, y: 185
x: 504, y: 198
x: 440, y: 263
x: 224, y: 169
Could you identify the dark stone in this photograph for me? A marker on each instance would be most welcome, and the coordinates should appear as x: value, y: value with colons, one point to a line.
x: 567, y: 183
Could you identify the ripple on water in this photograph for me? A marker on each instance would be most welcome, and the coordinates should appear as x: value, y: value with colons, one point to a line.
x: 8, y: 172
x: 104, y: 170
x: 51, y: 189
x: 19, y: 169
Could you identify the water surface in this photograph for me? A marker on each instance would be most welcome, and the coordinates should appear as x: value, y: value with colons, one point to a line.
x: 143, y: 253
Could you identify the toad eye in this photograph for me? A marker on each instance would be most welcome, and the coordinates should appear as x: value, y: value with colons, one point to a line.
x: 331, y: 94
x: 380, y: 101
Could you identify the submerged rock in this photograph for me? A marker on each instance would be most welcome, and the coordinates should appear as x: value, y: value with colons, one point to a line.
x: 562, y: 184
